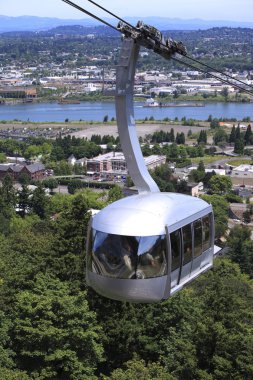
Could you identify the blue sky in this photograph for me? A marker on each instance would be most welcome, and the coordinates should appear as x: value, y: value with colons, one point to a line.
x: 236, y: 10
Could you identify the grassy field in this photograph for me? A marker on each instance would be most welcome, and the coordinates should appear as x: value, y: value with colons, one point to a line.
x: 232, y: 161
x: 240, y: 161
x: 207, y: 159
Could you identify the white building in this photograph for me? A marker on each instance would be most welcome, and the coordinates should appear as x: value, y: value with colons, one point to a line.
x: 242, y: 175
x: 114, y: 163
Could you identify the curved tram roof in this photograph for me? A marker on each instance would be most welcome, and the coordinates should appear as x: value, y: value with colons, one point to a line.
x: 148, y: 214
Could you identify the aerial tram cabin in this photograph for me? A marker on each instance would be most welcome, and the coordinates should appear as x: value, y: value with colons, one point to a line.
x: 146, y: 247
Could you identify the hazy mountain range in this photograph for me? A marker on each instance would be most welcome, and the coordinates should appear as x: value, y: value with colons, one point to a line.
x: 33, y: 23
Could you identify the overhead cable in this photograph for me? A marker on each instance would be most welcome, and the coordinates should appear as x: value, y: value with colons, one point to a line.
x: 212, y: 75
x: 89, y: 14
x: 175, y: 59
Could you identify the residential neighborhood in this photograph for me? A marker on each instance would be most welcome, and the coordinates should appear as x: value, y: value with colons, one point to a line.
x: 126, y: 196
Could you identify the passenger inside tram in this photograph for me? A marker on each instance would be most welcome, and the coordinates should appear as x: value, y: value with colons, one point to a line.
x: 129, y: 256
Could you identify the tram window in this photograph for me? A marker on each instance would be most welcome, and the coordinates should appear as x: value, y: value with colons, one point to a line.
x: 175, y: 241
x: 133, y: 257
x: 151, y: 257
x: 114, y: 255
x: 197, y: 227
x: 206, y: 232
x: 187, y: 239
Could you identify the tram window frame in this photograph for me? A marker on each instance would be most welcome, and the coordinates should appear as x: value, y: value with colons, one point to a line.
x: 152, y: 261
x: 206, y: 243
x: 201, y: 238
x: 176, y: 261
x: 187, y: 244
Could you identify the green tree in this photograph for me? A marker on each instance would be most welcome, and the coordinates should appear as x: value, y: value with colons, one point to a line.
x: 220, y: 136
x: 7, y: 203
x: 214, y: 123
x: 248, y: 135
x: 2, y: 158
x: 55, y: 333
x: 138, y: 369
x: 6, y: 354
x: 220, y: 208
x: 198, y: 174
x: 241, y: 248
x: 24, y: 179
x: 224, y: 335
x: 24, y: 201
x: 51, y: 184
x: 8, y: 192
x: 224, y: 93
x: 202, y: 138
x: 220, y: 184
x: 114, y: 194
x: 40, y: 202
x: 239, y: 146
x: 232, y: 136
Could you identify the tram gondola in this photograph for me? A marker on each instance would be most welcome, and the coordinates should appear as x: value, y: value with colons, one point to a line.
x: 145, y: 248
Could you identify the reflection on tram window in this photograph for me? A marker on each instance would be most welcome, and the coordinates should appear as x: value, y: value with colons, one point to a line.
x: 152, y: 256
x: 128, y: 256
x: 206, y: 232
x: 114, y: 255
x: 197, y: 227
x: 187, y: 239
x: 175, y: 242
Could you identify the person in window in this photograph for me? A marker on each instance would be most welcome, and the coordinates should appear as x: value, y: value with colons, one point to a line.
x: 127, y: 252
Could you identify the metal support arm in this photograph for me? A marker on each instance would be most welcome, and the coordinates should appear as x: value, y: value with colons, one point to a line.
x: 125, y: 118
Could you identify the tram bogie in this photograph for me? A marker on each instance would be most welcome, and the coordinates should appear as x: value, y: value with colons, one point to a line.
x: 149, y: 31
x: 146, y: 247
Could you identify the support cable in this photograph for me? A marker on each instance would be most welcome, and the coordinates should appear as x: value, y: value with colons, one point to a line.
x: 218, y: 71
x: 110, y: 13
x: 163, y: 45
x: 213, y: 75
x: 187, y: 56
x: 89, y: 14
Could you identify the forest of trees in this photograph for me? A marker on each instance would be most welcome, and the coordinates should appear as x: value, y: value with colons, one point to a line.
x: 52, y: 326
x: 217, y: 44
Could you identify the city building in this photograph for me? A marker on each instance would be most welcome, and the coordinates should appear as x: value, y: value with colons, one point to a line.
x: 242, y: 175
x: 33, y: 171
x: 114, y: 163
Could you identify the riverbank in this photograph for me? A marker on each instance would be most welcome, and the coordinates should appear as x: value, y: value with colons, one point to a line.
x: 93, y: 112
x: 86, y: 130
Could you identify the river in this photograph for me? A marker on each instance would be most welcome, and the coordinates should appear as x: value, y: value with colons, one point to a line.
x: 96, y: 111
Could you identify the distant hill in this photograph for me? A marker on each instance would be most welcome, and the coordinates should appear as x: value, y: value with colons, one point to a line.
x: 32, y: 23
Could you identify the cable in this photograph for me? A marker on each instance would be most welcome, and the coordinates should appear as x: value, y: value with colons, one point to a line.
x: 89, y: 13
x: 191, y: 58
x: 112, y: 14
x: 175, y: 59
x: 220, y: 72
x: 212, y: 75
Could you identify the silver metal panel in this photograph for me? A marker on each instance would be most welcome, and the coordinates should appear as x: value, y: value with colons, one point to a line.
x: 174, y: 278
x: 125, y: 118
x: 196, y: 263
x: 185, y: 272
x: 183, y: 283
x: 148, y: 214
x: 169, y: 261
x: 148, y: 290
x: 207, y: 257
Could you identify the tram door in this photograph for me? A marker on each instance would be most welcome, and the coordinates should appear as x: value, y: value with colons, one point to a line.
x: 181, y: 254
x: 197, y: 246
x: 175, y: 244
x: 207, y: 236
x: 186, y: 252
